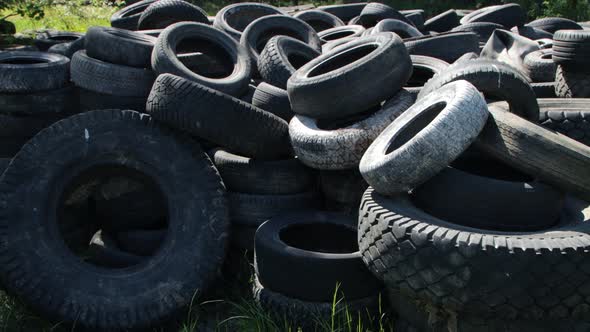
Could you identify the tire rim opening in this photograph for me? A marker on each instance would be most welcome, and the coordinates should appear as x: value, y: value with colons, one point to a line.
x: 490, y: 168
x: 64, y: 38
x: 342, y: 59
x: 420, y: 75
x: 415, y: 126
x: 547, y: 56
x: 321, y: 237
x: 337, y: 35
x: 23, y: 61
x: 297, y: 60
x: 112, y: 216
x: 135, y: 11
x: 205, y: 58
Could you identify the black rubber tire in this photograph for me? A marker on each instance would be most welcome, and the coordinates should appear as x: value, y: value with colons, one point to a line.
x: 25, y: 72
x: 25, y: 126
x: 347, y: 31
x: 340, y: 145
x: 555, y: 159
x: 246, y: 175
x: 445, y: 46
x: 91, y: 101
x: 374, y: 12
x: 104, y: 252
x: 165, y: 59
x: 198, y: 223
x: 254, y: 132
x: 424, y: 68
x: 258, y: 33
x: 483, y: 30
x: 242, y: 237
x: 573, y: 123
x: 48, y: 102
x: 344, y: 187
x: 141, y: 242
x: 233, y: 19
x: 304, y: 255
x: 540, y: 66
x: 570, y: 83
x: 329, y: 46
x: 281, y: 57
x: 44, y: 40
x: 544, y: 90
x: 121, y: 47
x: 252, y: 210
x: 164, y: 13
x: 273, y: 100
x: 402, y: 29
x: 552, y: 24
x: 468, y: 270
x: 379, y: 65
x: 467, y: 57
x: 108, y: 78
x: 441, y: 125
x: 489, y: 189
x: 572, y: 47
x: 128, y: 17
x: 344, y: 11
x: 508, y: 15
x: 319, y: 20
x: 532, y: 33
x: 68, y: 49
x: 495, y: 79
x: 311, y: 315
x: 442, y: 22
x: 416, y: 17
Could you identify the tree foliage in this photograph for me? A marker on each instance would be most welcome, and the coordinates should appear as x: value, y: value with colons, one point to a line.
x: 26, y: 8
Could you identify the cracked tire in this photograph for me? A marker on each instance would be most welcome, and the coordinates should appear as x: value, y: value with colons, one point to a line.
x: 25, y: 72
x: 198, y: 223
x: 187, y: 106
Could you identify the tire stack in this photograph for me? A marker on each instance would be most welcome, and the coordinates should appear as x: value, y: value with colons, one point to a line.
x: 570, y: 53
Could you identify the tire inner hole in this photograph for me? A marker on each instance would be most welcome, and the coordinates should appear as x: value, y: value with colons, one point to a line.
x: 415, y: 126
x: 137, y: 10
x: 337, y: 35
x: 23, y: 61
x: 297, y: 60
x: 321, y: 237
x: 112, y: 216
x: 342, y: 59
x: 420, y: 75
x: 205, y: 58
x: 64, y: 38
x: 546, y: 56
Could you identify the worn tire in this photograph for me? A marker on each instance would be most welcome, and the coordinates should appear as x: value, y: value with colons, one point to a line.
x: 532, y: 33
x: 402, y: 29
x: 544, y: 90
x: 570, y: 83
x: 339, y: 145
x: 42, y: 279
x: 540, y: 66
x: 164, y: 13
x: 187, y: 106
x: 571, y: 122
x: 319, y: 20
x: 483, y: 30
x: 445, y: 46
x: 234, y: 18
x: 44, y: 40
x: 508, y: 15
x: 379, y: 65
x: 26, y: 72
x: 552, y: 24
x: 128, y: 17
x: 344, y: 11
x: 374, y: 12
x: 118, y: 46
x: 273, y: 100
x: 442, y: 22
x: 68, y: 49
x: 424, y: 68
x: 441, y: 125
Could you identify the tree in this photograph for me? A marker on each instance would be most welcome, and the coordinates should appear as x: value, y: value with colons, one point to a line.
x: 29, y: 8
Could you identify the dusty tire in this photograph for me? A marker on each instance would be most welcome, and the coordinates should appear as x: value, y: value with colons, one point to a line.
x: 532, y: 33
x: 540, y: 66
x: 379, y: 65
x: 120, y: 46
x: 444, y: 123
x: 208, y: 40
x: 255, y: 133
x: 339, y: 145
x: 447, y: 46
x: 508, y: 15
x: 552, y: 24
x: 164, y: 13
x: 402, y: 29
x: 483, y: 30
x: 374, y: 12
x: 22, y: 72
x: 424, y: 68
x: 442, y: 22
x: 337, y: 33
x: 573, y: 123
x: 570, y: 83
x: 273, y: 100
x: 319, y: 20
x: 233, y: 19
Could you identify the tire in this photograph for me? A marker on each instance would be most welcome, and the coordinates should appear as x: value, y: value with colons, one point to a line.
x: 121, y: 47
x: 540, y: 66
x: 26, y: 72
x: 442, y: 22
x: 468, y: 270
x: 508, y: 15
x: 252, y: 210
x: 249, y: 176
x: 532, y: 33
x: 68, y: 49
x: 402, y: 29
x: 344, y: 187
x: 234, y: 19
x: 257, y: 34
x: 111, y: 79
x: 572, y: 47
x: 571, y: 83
x: 347, y: 31
x: 483, y: 30
x: 103, y: 252
x: 417, y: 19
x: 545, y: 43
x: 441, y: 125
x: 208, y: 40
x: 544, y: 90
x: 255, y: 133
x: 467, y: 57
x: 573, y: 123
x: 319, y: 20
x: 44, y: 40
x: 164, y: 13
x: 344, y: 11
x: 281, y: 57
x: 327, y: 47
x: 555, y: 159
x: 141, y: 242
x: 91, y: 101
x: 445, y: 46
x: 242, y: 237
x: 273, y: 100
x: 128, y: 17
x: 339, y: 145
x: 495, y: 79
x: 50, y: 102
x: 481, y: 195
x: 379, y: 65
x: 375, y: 12
x: 198, y: 223
x: 249, y: 95
x: 424, y: 68
x: 552, y: 24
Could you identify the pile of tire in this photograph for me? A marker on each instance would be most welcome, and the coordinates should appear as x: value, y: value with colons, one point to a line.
x: 373, y: 160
